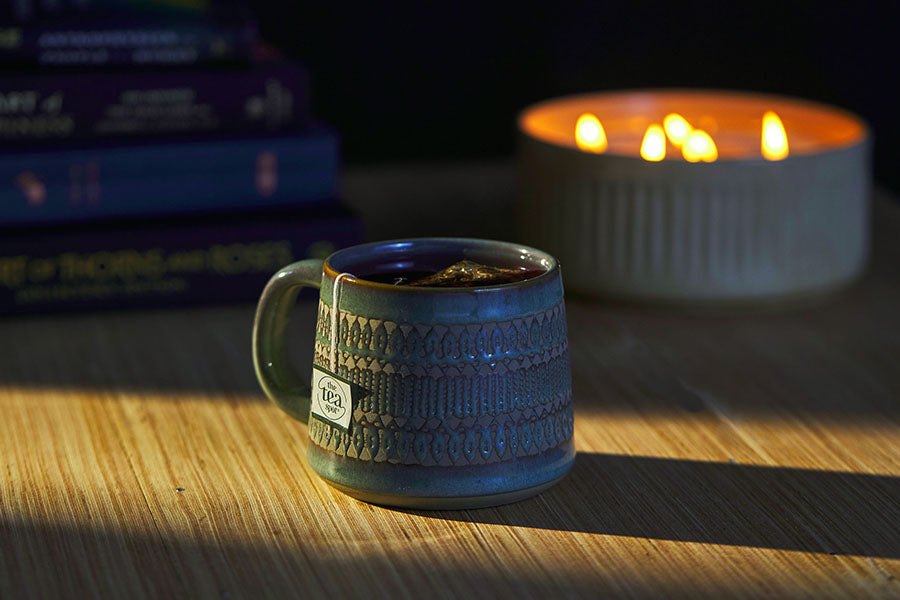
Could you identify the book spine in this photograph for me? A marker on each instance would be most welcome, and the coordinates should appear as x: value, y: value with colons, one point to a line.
x: 23, y: 11
x: 18, y: 11
x: 107, y: 104
x: 127, y: 42
x: 168, y: 179
x: 198, y: 263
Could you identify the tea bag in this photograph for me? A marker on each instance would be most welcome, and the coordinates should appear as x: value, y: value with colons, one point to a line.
x: 468, y: 273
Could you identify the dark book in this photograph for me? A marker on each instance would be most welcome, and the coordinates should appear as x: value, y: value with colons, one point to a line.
x: 265, y: 96
x: 23, y: 11
x: 96, y: 183
x: 129, y: 38
x: 161, y: 262
x: 20, y: 11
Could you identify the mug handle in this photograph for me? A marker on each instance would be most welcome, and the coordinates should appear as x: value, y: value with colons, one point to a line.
x: 278, y: 381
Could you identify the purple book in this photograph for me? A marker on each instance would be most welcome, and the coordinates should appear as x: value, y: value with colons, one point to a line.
x: 172, y: 262
x: 266, y: 96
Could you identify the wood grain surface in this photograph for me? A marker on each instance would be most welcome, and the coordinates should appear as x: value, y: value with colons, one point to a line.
x: 753, y: 455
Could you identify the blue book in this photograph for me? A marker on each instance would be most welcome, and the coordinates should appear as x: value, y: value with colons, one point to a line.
x: 97, y: 183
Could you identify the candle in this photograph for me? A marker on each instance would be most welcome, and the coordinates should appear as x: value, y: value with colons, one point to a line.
x: 696, y: 196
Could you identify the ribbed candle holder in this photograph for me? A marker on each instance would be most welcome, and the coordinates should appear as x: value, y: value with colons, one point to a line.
x: 740, y: 229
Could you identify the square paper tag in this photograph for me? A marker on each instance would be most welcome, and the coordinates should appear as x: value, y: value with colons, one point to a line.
x: 332, y: 398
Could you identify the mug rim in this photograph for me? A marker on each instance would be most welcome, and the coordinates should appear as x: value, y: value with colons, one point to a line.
x: 331, y: 272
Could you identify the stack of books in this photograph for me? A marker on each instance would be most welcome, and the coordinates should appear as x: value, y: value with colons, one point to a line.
x: 155, y: 152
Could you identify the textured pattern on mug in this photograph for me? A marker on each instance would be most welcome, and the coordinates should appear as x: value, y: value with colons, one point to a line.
x: 450, y: 395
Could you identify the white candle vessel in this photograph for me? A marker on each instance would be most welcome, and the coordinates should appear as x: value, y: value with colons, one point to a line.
x: 746, y: 223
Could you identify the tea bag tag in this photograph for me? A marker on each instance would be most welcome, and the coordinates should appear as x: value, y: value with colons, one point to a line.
x: 332, y: 398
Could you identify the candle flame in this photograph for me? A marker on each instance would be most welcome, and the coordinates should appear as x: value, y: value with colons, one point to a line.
x: 677, y: 128
x: 774, y: 138
x: 699, y: 146
x: 654, y: 145
x: 589, y: 134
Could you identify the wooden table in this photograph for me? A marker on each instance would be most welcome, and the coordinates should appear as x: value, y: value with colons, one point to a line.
x: 750, y: 455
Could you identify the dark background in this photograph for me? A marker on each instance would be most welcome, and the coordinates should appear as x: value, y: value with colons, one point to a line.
x: 445, y: 80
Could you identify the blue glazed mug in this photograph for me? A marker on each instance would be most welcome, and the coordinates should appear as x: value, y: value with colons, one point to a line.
x: 427, y: 397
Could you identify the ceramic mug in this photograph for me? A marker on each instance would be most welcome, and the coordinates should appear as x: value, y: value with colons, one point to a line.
x: 427, y: 397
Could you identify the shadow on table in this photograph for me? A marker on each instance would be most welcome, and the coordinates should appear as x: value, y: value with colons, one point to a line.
x: 183, y: 351
x: 69, y: 560
x: 664, y: 499
x: 713, y: 503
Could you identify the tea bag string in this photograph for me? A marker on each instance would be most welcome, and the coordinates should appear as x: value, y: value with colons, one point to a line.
x: 335, y: 301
